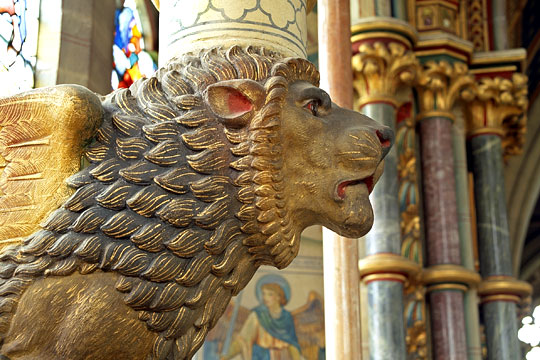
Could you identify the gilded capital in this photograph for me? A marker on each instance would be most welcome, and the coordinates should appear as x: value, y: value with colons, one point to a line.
x: 499, y: 107
x: 380, y: 69
x: 440, y: 84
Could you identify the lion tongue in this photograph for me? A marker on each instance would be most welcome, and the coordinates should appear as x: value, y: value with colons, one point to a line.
x: 342, y: 186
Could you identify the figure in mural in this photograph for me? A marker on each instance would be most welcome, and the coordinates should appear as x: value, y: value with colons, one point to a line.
x: 269, y: 331
x: 233, y: 337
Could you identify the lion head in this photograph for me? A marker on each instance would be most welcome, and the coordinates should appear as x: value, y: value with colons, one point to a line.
x: 319, y: 162
x: 200, y: 174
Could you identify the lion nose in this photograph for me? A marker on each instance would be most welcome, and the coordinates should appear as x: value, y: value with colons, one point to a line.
x: 386, y: 137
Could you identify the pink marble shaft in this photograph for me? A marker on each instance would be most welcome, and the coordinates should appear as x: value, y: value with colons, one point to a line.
x: 341, y: 276
x: 440, y: 211
x: 442, y: 235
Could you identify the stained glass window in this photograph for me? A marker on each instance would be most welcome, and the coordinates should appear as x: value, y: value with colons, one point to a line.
x: 18, y: 44
x: 130, y: 60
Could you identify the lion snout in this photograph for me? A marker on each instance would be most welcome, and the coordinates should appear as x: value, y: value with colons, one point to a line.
x: 386, y: 138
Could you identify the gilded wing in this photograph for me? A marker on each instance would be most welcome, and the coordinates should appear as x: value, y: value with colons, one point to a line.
x: 42, y: 135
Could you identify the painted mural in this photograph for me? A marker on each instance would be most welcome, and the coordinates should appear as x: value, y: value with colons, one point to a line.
x: 279, y: 315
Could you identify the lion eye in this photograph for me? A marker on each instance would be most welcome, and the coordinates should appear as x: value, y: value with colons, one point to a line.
x: 313, y: 107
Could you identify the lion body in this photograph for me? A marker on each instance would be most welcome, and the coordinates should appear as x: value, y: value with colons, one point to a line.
x: 167, y: 205
x: 178, y: 209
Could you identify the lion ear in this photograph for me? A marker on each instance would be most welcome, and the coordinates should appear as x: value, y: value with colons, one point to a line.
x: 234, y: 100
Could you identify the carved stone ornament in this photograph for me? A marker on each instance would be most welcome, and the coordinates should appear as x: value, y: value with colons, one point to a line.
x: 440, y: 84
x: 197, y: 176
x: 500, y: 107
x: 379, y: 70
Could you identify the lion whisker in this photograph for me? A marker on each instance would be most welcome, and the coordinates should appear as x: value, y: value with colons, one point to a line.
x: 349, y: 152
x: 364, y: 146
x: 372, y: 141
x: 361, y: 159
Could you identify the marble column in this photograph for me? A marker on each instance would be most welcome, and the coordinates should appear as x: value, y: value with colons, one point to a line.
x: 498, y: 105
x: 492, y: 220
x: 379, y: 64
x: 340, y: 255
x: 385, y: 295
x: 499, y: 24
x: 75, y: 44
x: 472, y: 320
x: 494, y: 243
x: 385, y: 235
x: 442, y: 237
x: 438, y: 85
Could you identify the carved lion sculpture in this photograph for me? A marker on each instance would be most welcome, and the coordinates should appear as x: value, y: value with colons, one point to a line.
x: 197, y: 177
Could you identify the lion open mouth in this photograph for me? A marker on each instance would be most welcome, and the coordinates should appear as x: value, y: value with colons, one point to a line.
x: 342, y: 186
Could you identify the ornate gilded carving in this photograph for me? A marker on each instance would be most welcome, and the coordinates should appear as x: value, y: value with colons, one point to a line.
x: 440, y: 84
x: 478, y: 24
x: 184, y: 198
x: 379, y: 70
x: 411, y: 246
x: 500, y: 107
x: 437, y: 15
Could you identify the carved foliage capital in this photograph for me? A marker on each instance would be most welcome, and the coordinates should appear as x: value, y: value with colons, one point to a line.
x: 500, y: 106
x: 440, y: 84
x: 380, y: 68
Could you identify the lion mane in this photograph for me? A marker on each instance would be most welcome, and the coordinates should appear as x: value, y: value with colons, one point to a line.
x: 183, y: 206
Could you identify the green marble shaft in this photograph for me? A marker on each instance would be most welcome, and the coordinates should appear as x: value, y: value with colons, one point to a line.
x: 492, y: 219
x: 494, y: 243
x: 472, y: 321
x: 385, y: 321
x: 385, y: 298
x: 385, y: 235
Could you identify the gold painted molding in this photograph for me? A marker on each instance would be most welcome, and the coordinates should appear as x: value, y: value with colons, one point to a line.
x: 384, y: 277
x: 380, y: 69
x: 382, y: 35
x: 388, y: 263
x: 366, y: 100
x: 449, y: 273
x: 439, y: 52
x: 436, y: 40
x: 486, y: 130
x: 435, y: 113
x: 446, y: 287
x: 395, y: 27
x: 503, y: 297
x: 504, y: 285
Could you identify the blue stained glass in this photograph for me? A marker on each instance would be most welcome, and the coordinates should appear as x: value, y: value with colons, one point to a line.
x: 130, y: 60
x: 18, y: 44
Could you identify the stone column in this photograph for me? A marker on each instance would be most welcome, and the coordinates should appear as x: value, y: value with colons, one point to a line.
x: 495, y: 125
x: 440, y: 84
x: 472, y: 319
x: 75, y: 44
x: 340, y: 255
x: 499, y: 24
x: 382, y: 62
